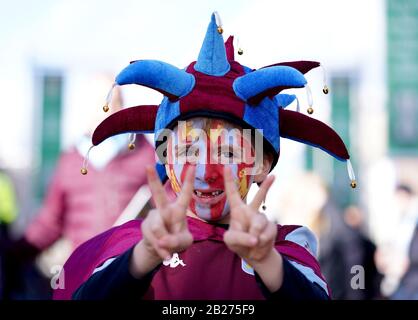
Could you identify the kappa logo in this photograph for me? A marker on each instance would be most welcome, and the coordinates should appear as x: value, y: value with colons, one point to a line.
x: 174, y: 261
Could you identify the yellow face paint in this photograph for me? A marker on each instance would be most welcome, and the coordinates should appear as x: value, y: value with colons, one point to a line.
x: 243, y: 183
x: 173, y: 180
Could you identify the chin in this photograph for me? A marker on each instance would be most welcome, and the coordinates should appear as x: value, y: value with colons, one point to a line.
x: 210, y: 213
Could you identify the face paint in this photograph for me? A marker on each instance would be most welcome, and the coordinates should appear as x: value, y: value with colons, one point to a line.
x: 209, y: 144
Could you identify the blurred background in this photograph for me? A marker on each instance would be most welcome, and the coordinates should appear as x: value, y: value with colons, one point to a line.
x: 58, y: 59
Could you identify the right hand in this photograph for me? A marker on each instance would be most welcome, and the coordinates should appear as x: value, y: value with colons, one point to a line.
x: 164, y: 230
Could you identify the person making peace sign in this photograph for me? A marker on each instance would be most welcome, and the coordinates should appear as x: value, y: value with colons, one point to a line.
x: 217, y: 131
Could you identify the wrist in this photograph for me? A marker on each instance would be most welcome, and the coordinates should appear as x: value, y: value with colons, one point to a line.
x: 272, y: 257
x: 270, y: 270
x: 142, y: 260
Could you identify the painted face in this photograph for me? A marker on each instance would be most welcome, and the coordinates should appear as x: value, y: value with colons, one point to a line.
x: 210, y: 144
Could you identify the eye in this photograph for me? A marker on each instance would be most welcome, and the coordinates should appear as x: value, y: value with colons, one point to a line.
x: 228, y: 153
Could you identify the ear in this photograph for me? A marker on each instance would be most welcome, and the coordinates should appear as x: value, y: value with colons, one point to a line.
x: 264, y: 168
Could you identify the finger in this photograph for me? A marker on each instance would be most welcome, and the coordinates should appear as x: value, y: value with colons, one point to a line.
x: 239, y: 238
x: 157, y: 189
x: 260, y: 196
x: 158, y: 230
x: 236, y: 223
x: 171, y: 242
x: 163, y: 253
x: 268, y: 235
x: 258, y: 224
x: 153, y: 240
x: 231, y: 190
x: 188, y: 186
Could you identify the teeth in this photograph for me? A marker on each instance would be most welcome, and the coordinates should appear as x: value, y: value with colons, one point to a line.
x: 207, y: 194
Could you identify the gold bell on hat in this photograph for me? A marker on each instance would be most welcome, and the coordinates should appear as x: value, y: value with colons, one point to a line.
x: 220, y: 30
x: 83, y: 171
x: 105, y: 108
x: 325, y: 90
x: 353, y: 184
x: 131, y: 146
x: 310, y: 110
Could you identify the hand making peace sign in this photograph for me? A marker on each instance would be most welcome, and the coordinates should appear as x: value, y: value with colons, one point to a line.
x: 165, y: 229
x: 250, y: 235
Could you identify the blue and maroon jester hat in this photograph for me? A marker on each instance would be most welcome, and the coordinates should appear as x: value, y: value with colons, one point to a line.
x: 218, y: 86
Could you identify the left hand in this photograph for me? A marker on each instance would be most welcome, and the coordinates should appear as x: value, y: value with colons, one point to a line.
x: 250, y: 235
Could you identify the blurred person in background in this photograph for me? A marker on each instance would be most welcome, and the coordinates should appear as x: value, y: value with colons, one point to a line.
x: 77, y: 207
x: 344, y: 247
x: 342, y: 241
x: 397, y: 257
x: 8, y: 213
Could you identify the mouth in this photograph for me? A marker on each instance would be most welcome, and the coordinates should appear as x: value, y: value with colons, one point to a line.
x: 208, y: 196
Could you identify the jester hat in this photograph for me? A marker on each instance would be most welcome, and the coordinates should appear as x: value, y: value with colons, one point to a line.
x: 217, y: 86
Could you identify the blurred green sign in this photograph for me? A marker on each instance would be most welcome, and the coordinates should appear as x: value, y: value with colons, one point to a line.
x: 50, y: 129
x: 402, y: 55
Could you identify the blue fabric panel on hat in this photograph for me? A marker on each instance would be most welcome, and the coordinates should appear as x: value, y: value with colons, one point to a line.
x: 167, y: 112
x: 247, y: 69
x: 283, y: 100
x: 253, y: 83
x: 162, y: 174
x: 212, y: 56
x: 265, y: 116
x: 158, y: 75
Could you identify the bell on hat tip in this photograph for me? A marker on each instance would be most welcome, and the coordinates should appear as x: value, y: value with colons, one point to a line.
x: 83, y: 171
x: 131, y: 146
x: 105, y: 108
x: 310, y: 110
x: 325, y: 90
x: 240, y: 51
x: 220, y: 30
x: 353, y: 184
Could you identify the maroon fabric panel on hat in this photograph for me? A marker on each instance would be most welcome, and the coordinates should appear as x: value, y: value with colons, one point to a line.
x: 267, y: 93
x: 297, y: 126
x: 134, y: 119
x: 229, y: 47
x: 303, y: 66
x: 213, y: 93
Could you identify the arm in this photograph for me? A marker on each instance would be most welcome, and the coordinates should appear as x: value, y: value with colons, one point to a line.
x: 252, y: 237
x: 294, y: 285
x: 115, y: 281
x: 164, y: 232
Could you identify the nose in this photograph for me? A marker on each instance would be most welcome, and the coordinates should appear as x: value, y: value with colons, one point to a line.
x: 208, y: 173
